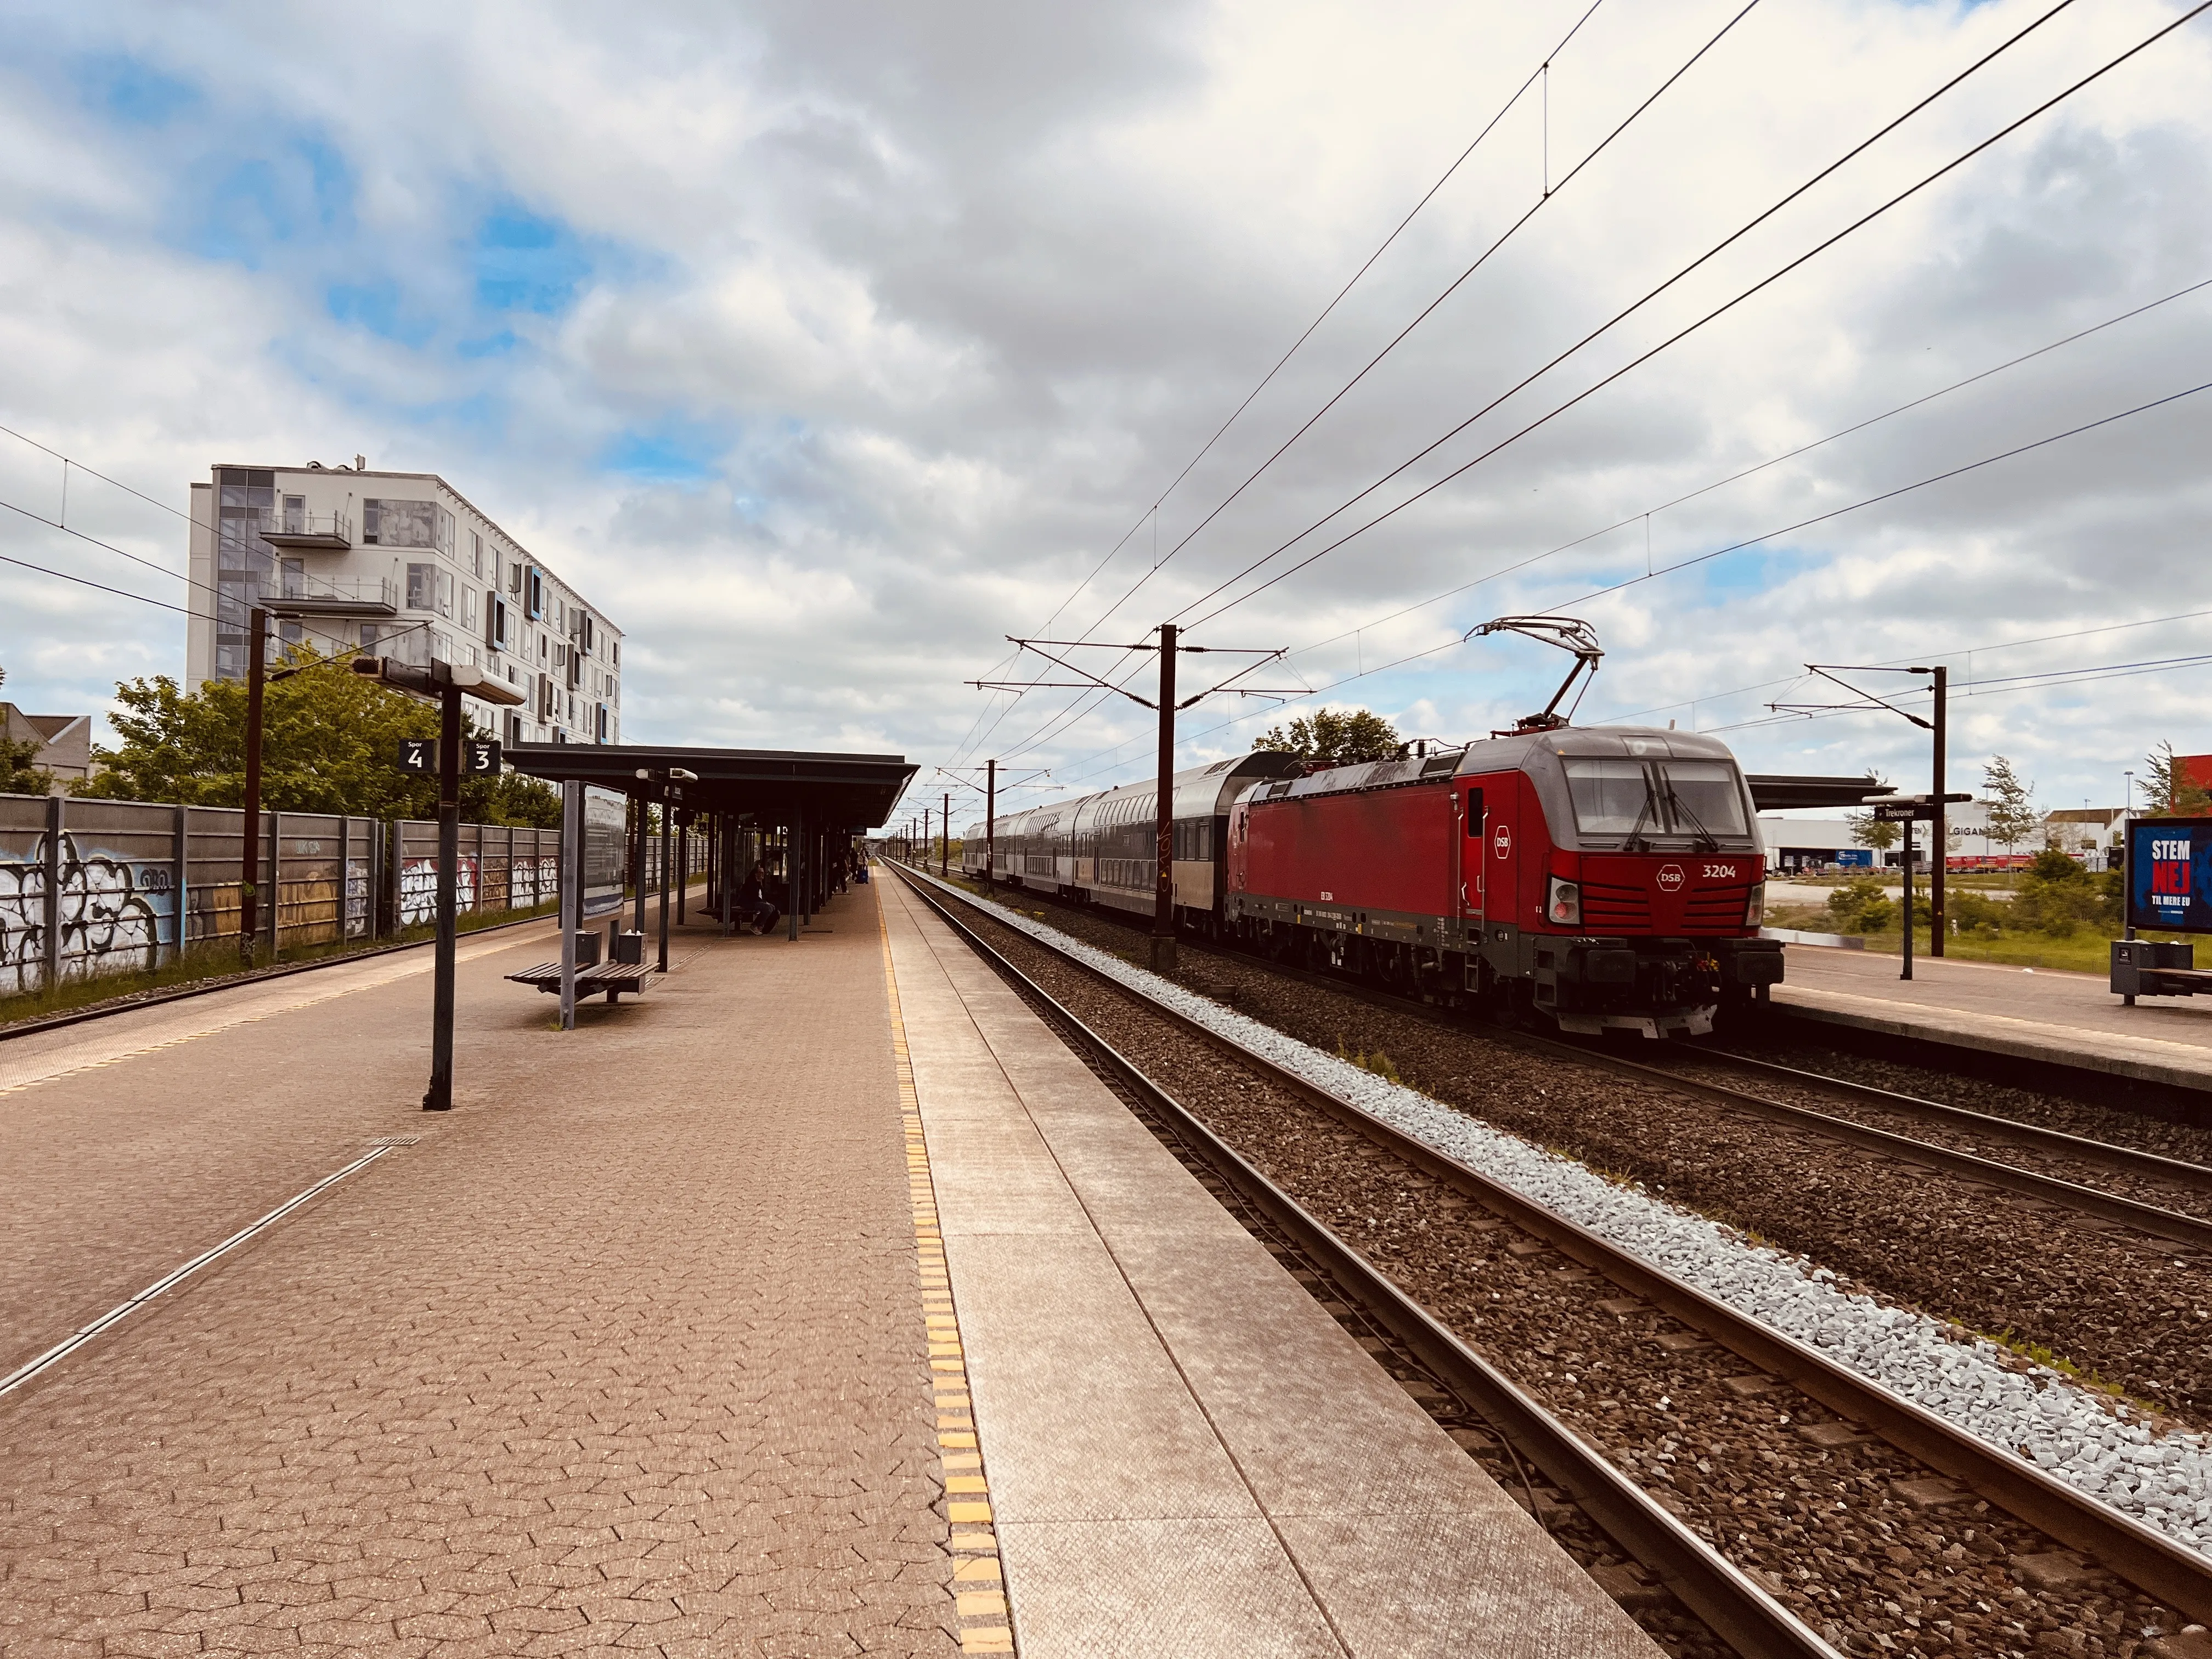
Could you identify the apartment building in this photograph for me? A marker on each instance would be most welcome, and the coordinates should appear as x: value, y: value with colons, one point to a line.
x: 408, y: 568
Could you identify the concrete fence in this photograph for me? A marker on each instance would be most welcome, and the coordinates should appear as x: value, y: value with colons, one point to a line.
x: 90, y: 887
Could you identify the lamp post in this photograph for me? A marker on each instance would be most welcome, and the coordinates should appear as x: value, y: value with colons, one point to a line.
x: 444, y: 684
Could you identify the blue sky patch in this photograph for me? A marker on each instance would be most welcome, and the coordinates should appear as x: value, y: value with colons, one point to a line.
x: 130, y: 92
x: 668, y: 456
x: 524, y: 261
x: 241, y: 210
x: 378, y: 307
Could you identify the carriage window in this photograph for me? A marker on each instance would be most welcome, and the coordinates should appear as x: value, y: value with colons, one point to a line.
x: 1474, y: 812
x: 1704, y: 794
x: 1612, y: 797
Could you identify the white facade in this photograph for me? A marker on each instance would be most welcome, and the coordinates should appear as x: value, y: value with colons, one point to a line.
x: 427, y: 575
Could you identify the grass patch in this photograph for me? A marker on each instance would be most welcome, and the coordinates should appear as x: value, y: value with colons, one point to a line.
x: 1378, y: 1063
x: 2086, y: 951
x: 214, y: 961
x: 2051, y: 1360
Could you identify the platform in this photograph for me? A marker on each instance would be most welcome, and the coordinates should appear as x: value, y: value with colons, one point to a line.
x: 1186, y: 1455
x: 627, y: 1351
x: 819, y: 1303
x: 2070, y: 1019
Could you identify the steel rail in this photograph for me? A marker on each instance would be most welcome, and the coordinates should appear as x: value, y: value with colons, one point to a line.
x: 2133, y: 1160
x: 2171, y: 1224
x: 2166, y: 1570
x: 1742, y: 1614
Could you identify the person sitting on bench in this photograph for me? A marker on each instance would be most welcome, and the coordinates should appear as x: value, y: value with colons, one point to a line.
x: 754, y: 904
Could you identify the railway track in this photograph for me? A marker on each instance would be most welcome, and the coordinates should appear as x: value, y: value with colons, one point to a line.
x: 2068, y: 1191
x: 2160, y: 1569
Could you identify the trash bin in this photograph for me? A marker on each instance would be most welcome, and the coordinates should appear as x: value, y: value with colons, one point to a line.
x: 629, y: 949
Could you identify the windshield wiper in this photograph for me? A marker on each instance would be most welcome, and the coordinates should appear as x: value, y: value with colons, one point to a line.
x: 1712, y: 843
x: 1636, y: 844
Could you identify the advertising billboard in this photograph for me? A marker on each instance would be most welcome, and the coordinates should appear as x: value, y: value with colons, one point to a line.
x: 2170, y: 874
x: 606, y: 841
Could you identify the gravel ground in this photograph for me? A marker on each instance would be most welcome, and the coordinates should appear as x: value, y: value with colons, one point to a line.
x: 1822, y: 1517
x: 2177, y: 1196
x: 2132, y: 1312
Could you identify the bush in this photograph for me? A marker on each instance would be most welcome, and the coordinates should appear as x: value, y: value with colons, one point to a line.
x: 2059, y: 896
x: 1860, y: 906
x: 1970, y: 912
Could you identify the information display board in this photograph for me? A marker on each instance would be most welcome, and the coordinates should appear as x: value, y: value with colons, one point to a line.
x: 2170, y: 874
x: 605, y: 843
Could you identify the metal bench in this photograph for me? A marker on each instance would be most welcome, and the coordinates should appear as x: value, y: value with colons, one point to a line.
x: 612, y: 978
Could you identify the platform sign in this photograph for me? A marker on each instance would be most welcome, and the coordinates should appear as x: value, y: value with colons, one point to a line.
x: 478, y: 759
x: 606, y: 841
x: 2170, y: 874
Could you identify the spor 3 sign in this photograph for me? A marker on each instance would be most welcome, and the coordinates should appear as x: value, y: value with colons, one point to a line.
x: 2170, y: 874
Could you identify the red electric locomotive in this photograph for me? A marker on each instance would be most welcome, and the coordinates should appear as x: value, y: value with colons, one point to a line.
x: 1599, y: 877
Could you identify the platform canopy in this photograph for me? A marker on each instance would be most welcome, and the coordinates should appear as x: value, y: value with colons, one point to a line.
x: 1775, y: 794
x: 776, y: 785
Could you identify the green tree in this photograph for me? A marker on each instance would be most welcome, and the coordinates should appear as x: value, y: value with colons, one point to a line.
x: 2173, y: 793
x: 2012, y: 815
x: 1868, y: 830
x: 1336, y: 737
x: 20, y: 771
x: 330, y: 741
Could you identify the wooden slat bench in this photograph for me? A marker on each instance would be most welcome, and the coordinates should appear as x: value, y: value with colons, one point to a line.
x: 612, y: 978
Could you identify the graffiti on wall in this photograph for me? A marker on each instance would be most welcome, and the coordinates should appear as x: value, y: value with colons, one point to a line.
x: 418, y: 889
x: 112, y: 913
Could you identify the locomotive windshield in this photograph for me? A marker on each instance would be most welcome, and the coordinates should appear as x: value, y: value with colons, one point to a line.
x: 1633, y: 798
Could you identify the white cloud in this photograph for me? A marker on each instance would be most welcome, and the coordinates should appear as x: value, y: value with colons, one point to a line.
x: 936, y: 303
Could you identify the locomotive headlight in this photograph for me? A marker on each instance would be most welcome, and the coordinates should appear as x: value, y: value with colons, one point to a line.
x: 1563, y: 904
x: 1755, y: 909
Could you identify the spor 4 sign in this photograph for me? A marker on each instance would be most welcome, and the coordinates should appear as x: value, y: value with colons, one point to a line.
x: 2170, y: 874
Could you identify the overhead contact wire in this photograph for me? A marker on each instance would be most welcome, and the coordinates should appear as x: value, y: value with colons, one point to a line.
x: 1695, y: 265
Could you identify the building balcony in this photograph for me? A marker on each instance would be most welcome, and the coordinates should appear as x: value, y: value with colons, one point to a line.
x: 301, y: 595
x: 307, y: 533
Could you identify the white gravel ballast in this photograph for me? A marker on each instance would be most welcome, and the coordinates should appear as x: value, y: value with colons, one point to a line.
x: 2079, y: 1436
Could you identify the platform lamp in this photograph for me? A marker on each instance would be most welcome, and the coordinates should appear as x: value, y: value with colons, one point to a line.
x: 444, y: 684
x: 1939, y: 677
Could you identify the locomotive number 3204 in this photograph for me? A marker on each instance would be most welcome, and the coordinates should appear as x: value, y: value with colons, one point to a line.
x: 1720, y: 873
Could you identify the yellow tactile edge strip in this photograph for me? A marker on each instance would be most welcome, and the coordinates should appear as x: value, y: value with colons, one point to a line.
x: 978, y: 1589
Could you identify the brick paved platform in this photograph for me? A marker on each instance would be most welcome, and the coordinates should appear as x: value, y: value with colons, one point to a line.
x: 1184, y: 1455
x: 628, y: 1351
x: 2071, y: 1019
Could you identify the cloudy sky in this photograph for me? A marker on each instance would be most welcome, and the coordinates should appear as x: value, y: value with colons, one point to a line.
x: 825, y: 346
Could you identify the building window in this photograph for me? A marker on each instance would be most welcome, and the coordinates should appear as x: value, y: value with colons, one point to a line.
x: 469, y: 607
x: 406, y: 524
x: 533, y: 594
x: 476, y: 553
x: 515, y: 579
x: 296, y: 515
x: 496, y: 622
x: 421, y: 587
